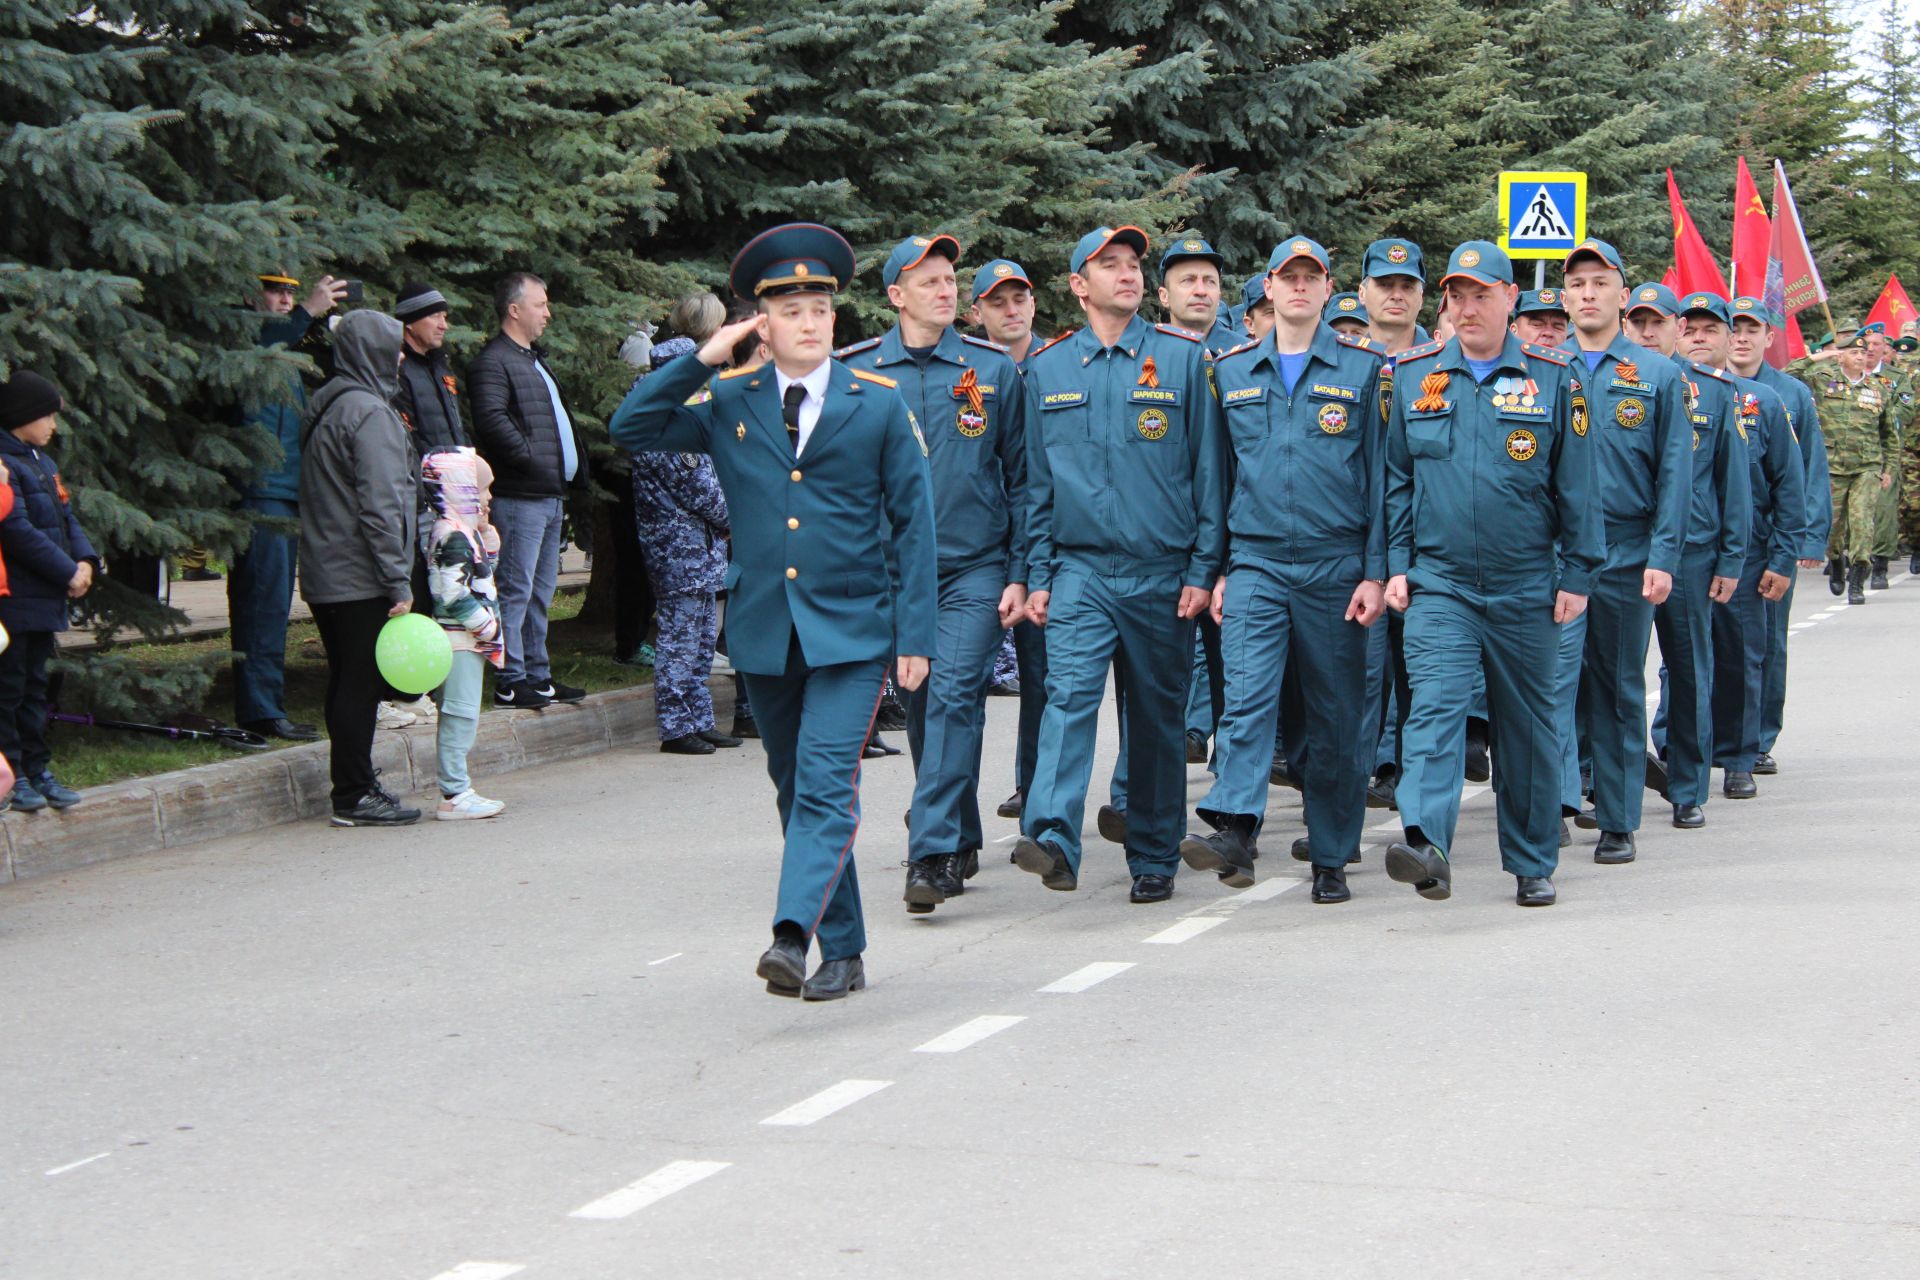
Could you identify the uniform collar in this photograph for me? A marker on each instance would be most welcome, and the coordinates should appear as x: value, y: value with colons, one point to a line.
x: 1132, y: 339
x: 1511, y: 356
x: 950, y: 348
x: 1325, y: 347
x: 815, y: 382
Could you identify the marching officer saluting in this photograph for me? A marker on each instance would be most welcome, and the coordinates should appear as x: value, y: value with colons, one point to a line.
x: 817, y: 460
x: 1128, y: 530
x: 966, y: 394
x: 1489, y: 469
x: 1306, y: 564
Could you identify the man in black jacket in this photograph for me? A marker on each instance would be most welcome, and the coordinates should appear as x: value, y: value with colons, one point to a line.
x: 429, y: 399
x: 523, y: 430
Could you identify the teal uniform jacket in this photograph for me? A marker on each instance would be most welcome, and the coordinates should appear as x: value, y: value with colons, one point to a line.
x: 1479, y: 494
x: 1309, y: 468
x: 1722, y: 513
x: 807, y: 533
x: 978, y: 457
x: 1804, y: 418
x: 1638, y: 405
x: 1124, y: 476
x: 1225, y: 334
x: 1777, y: 477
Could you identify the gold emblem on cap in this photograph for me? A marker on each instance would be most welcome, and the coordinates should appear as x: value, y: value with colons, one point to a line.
x: 1193, y: 246
x: 1301, y: 246
x: 922, y: 241
x: 800, y: 269
x: 1471, y: 258
x: 1648, y: 295
x: 1003, y: 270
x: 1546, y: 295
x: 1745, y: 304
x: 1349, y: 304
x: 1397, y: 253
x: 1699, y: 302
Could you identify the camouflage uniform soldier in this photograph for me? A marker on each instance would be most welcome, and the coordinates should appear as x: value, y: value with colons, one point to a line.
x: 1857, y: 421
x: 1902, y: 403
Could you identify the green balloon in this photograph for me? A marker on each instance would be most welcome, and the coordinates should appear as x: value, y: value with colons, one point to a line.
x: 413, y: 653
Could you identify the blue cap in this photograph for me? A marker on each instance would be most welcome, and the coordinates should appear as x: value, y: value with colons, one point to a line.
x: 800, y: 257
x: 996, y: 273
x: 1754, y: 309
x: 1706, y: 303
x: 1591, y: 248
x: 1344, y: 306
x: 914, y: 250
x: 1099, y: 238
x: 1191, y: 247
x: 1297, y: 247
x: 1392, y: 258
x: 1253, y: 292
x: 1481, y: 261
x: 1655, y: 297
x: 1539, y: 302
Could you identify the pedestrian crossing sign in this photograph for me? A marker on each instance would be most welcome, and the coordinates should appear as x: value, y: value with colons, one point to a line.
x: 1545, y: 214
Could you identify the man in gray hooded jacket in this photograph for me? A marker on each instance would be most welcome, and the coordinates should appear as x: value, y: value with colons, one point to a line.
x: 358, y: 503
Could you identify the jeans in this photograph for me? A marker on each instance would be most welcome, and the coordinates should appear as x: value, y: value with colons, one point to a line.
x: 529, y: 567
x: 459, y: 719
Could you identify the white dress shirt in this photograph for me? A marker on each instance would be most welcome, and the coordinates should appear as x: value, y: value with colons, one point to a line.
x: 816, y: 384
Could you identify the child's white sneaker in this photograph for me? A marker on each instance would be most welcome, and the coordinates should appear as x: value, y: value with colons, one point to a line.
x: 468, y: 804
x: 393, y: 716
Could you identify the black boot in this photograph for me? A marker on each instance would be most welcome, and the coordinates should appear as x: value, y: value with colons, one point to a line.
x: 1837, y: 576
x: 924, y: 890
x: 1857, y: 583
x: 1878, y: 578
x: 1228, y: 852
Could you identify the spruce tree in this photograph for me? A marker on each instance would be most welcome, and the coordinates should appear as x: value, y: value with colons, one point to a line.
x: 1879, y: 228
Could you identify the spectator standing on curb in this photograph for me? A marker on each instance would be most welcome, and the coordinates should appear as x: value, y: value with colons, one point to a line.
x: 462, y: 548
x: 358, y: 514
x: 52, y: 565
x: 680, y: 516
x: 260, y: 582
x: 523, y: 429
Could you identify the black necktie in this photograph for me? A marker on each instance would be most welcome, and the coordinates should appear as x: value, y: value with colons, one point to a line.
x: 790, y: 410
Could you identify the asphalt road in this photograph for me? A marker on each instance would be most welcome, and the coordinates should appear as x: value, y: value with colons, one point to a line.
x: 536, y: 1047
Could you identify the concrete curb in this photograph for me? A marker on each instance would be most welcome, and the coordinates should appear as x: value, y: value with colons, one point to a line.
x: 257, y: 792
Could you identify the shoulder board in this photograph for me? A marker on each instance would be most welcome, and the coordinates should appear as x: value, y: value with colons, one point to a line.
x: 1360, y: 344
x: 876, y: 378
x: 735, y: 373
x: 1062, y: 338
x: 1178, y: 332
x: 856, y: 348
x: 1250, y: 344
x: 1546, y: 353
x: 988, y: 343
x: 1708, y: 370
x: 1429, y: 349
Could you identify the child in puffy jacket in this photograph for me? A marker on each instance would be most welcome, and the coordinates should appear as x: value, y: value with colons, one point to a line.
x: 52, y: 565
x: 462, y: 550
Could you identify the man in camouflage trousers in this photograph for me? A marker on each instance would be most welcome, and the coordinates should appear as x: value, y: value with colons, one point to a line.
x: 1857, y: 419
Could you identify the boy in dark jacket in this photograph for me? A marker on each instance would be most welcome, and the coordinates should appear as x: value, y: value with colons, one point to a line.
x: 50, y: 563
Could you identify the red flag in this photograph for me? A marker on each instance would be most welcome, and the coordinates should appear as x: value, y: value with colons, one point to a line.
x: 1800, y: 278
x: 1694, y: 268
x: 1894, y: 307
x: 1795, y: 345
x: 1752, y: 235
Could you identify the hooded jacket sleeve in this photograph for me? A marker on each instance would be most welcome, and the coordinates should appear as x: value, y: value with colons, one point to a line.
x: 384, y: 480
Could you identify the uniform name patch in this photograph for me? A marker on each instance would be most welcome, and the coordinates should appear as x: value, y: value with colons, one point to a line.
x: 1334, y: 393
x: 984, y: 388
x: 1244, y: 395
x: 1062, y: 399
x: 1154, y: 395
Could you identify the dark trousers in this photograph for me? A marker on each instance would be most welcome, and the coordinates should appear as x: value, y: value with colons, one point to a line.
x: 23, y: 703
x: 348, y: 629
x: 259, y: 597
x: 634, y: 602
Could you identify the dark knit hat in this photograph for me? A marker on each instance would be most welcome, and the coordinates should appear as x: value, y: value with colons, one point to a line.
x: 417, y: 302
x: 27, y: 397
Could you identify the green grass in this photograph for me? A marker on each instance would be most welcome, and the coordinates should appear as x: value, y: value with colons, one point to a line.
x: 89, y: 757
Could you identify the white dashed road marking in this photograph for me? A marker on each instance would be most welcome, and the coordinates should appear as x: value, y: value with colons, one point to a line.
x: 1087, y: 976
x: 67, y: 1168
x: 656, y: 1186
x: 827, y: 1101
x: 1191, y: 927
x: 482, y: 1271
x: 971, y: 1033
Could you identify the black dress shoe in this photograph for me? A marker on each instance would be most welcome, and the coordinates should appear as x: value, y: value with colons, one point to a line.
x: 1151, y: 888
x: 1380, y: 792
x: 1047, y: 862
x: 283, y: 728
x: 1478, y: 767
x: 1281, y: 774
x: 1689, y: 816
x: 1422, y: 866
x: 718, y: 738
x: 1303, y: 852
x: 891, y: 716
x: 1330, y: 884
x: 1535, y: 891
x: 1012, y: 805
x: 745, y: 727
x: 1765, y: 764
x: 1227, y: 852
x: 1587, y: 820
x: 947, y: 873
x: 784, y: 966
x: 1112, y: 824
x: 923, y: 892
x: 834, y: 978
x: 1738, y: 786
x: 1566, y: 834
x: 1614, y: 848
x: 690, y: 744
x: 972, y: 867
x: 1657, y: 779
x: 877, y: 747
x: 1196, y: 747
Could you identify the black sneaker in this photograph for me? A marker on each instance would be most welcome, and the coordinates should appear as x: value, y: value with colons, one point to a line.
x: 58, y: 794
x: 519, y: 696
x: 553, y: 691
x: 376, y: 809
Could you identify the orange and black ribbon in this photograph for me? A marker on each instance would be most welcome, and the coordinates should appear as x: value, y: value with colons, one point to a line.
x: 969, y: 389
x: 1628, y: 371
x: 1149, y: 377
x: 1433, y: 389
